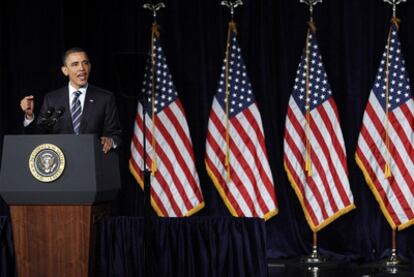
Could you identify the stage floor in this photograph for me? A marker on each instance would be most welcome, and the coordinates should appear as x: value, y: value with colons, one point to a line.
x: 296, y: 269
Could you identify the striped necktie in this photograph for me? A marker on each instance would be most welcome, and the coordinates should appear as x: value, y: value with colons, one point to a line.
x: 76, y: 111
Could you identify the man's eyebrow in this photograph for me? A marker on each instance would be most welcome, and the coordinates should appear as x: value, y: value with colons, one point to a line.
x: 83, y: 61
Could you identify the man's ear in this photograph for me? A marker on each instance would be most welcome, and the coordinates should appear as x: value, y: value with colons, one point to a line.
x: 64, y: 70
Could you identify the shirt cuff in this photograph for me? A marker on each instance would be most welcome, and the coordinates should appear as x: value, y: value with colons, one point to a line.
x: 114, y: 145
x: 27, y: 121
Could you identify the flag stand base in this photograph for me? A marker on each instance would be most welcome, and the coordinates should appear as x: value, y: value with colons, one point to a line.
x: 394, y: 265
x: 393, y: 260
x: 314, y: 257
x: 314, y: 261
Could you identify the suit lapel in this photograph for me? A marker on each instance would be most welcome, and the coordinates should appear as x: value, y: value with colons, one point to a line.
x: 87, y: 107
x: 66, y: 119
x: 65, y: 92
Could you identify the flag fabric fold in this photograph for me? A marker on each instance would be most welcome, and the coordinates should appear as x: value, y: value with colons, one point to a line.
x: 314, y: 148
x: 385, y: 149
x: 236, y: 157
x: 175, y: 186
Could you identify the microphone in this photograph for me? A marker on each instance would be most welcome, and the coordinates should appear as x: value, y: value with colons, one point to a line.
x: 45, y: 117
x: 49, y: 119
x: 59, y: 112
x: 56, y: 116
x: 49, y: 112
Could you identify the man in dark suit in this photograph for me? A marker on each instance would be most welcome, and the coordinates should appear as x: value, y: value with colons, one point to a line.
x: 80, y: 108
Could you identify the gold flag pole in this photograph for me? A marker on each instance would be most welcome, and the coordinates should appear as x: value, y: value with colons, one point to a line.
x: 154, y: 33
x: 393, y: 263
x: 308, y: 159
x: 314, y: 259
x: 232, y: 28
x: 393, y: 259
x: 148, y: 253
x: 387, y: 168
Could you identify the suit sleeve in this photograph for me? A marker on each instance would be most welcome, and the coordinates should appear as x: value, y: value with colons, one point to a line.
x: 112, y: 126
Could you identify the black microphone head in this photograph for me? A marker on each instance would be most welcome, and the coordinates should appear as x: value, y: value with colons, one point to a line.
x: 60, y: 110
x: 46, y: 118
x: 49, y: 112
x: 56, y: 117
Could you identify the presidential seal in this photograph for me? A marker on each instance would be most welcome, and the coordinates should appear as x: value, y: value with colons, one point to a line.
x: 47, y: 162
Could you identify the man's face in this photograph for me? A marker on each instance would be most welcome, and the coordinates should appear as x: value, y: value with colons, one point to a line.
x: 77, y: 68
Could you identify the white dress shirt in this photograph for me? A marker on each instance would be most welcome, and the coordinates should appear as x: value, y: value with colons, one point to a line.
x: 72, y: 91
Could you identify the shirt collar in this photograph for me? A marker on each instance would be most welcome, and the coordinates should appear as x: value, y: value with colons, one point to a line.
x: 81, y: 89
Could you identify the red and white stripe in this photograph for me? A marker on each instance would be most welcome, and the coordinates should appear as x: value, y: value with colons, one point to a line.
x: 396, y: 193
x: 250, y: 190
x: 325, y: 194
x: 175, y: 188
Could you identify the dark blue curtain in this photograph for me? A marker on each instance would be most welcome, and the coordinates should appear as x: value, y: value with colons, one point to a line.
x: 197, y: 246
x: 7, y: 259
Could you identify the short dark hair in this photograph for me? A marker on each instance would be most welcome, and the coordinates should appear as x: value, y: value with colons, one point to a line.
x: 71, y: 51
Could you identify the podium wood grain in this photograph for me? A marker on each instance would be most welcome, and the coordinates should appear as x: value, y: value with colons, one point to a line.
x: 52, y: 240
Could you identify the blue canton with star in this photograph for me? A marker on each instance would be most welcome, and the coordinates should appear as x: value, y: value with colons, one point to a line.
x: 399, y: 84
x: 240, y: 90
x: 165, y: 92
x: 319, y: 89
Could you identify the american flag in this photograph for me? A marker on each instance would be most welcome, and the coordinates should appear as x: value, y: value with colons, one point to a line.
x: 246, y: 183
x: 175, y: 186
x: 385, y: 150
x: 314, y: 149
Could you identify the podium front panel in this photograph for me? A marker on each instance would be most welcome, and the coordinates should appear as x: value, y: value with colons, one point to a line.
x: 89, y: 175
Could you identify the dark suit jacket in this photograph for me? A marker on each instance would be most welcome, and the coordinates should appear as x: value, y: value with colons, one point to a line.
x: 99, y: 115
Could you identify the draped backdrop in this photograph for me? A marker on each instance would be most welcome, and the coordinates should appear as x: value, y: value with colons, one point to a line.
x: 271, y: 34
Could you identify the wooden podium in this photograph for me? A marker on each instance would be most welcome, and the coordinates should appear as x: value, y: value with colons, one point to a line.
x: 52, y: 221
